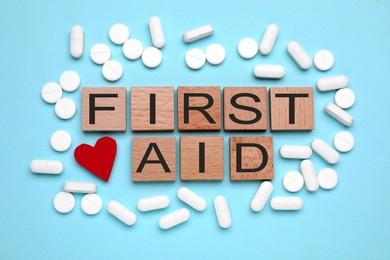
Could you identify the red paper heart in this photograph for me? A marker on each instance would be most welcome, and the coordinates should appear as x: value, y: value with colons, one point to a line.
x: 97, y: 159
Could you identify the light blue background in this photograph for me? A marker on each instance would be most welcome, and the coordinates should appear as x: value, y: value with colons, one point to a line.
x: 349, y: 222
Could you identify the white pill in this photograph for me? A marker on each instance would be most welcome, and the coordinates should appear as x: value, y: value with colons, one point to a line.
x: 298, y: 54
x: 192, y: 199
x: 295, y: 151
x: 64, y: 202
x: 65, y: 108
x: 309, y: 175
x: 262, y: 194
x: 121, y: 212
x: 132, y: 49
x: 344, y: 98
x: 325, y: 151
x: 195, y: 58
x: 100, y: 53
x: 222, y: 211
x: 156, y: 32
x: 91, y: 204
x: 269, y: 71
x: 80, y: 187
x: 175, y: 218
x: 247, y: 48
x: 332, y: 83
x: 119, y: 33
x: 198, y: 33
x: 153, y: 203
x: 269, y: 38
x: 328, y: 178
x: 344, y: 141
x: 293, y: 181
x: 215, y: 54
x: 323, y: 60
x: 69, y: 81
x: 76, y: 41
x: 51, y: 92
x: 46, y: 166
x: 286, y: 203
x: 341, y: 115
x: 112, y: 70
x: 60, y: 141
x: 151, y: 57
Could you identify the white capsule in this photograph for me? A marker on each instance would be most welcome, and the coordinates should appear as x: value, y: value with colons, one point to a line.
x: 121, y: 212
x: 341, y: 115
x: 325, y: 151
x: 175, y: 218
x: 327, y: 178
x: 198, y: 33
x: 309, y: 175
x: 65, y: 108
x: 344, y: 98
x: 51, y: 92
x: 69, y: 81
x: 156, y: 32
x: 100, y: 53
x: 195, y: 58
x: 332, y: 83
x: 286, y: 203
x: 269, y: 71
x: 91, y: 204
x: 153, y: 203
x: 247, y: 48
x: 298, y: 54
x: 80, y: 187
x: 64, y: 202
x: 192, y: 199
x: 119, y: 33
x: 344, y: 141
x: 112, y: 70
x: 151, y: 57
x: 46, y: 166
x: 132, y: 49
x: 293, y: 181
x: 269, y: 38
x: 262, y: 194
x: 76, y: 41
x: 222, y: 211
x: 295, y: 151
x: 323, y: 60
x: 60, y: 140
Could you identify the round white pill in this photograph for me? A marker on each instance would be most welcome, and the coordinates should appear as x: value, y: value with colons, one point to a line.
x: 293, y: 181
x: 215, y: 54
x: 51, y: 92
x: 323, y: 60
x: 132, y: 49
x: 112, y: 70
x: 119, y: 33
x: 344, y: 98
x: 64, y: 202
x: 247, y: 48
x: 60, y: 141
x: 100, y: 53
x: 151, y: 57
x: 91, y: 204
x: 327, y: 178
x: 69, y: 81
x: 344, y: 141
x: 65, y: 108
x: 195, y: 58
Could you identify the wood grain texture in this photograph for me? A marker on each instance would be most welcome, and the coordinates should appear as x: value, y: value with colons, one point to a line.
x: 280, y: 109
x: 213, y: 158
x: 153, y: 171
x: 251, y: 158
x: 197, y: 121
x: 105, y: 120
x: 260, y: 123
x: 141, y: 112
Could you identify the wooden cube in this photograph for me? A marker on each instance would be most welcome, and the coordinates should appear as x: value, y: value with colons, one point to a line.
x: 201, y: 158
x: 103, y: 109
x: 245, y: 108
x: 291, y: 108
x: 199, y: 108
x: 251, y: 158
x: 152, y: 109
x: 153, y: 159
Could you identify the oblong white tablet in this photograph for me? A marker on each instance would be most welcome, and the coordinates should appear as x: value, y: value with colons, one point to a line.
x: 69, y: 81
x: 332, y: 83
x: 174, y: 218
x: 344, y: 141
x: 80, y: 187
x: 64, y: 202
x: 198, y: 33
x: 341, y: 115
x: 195, y: 58
x: 328, y: 178
x: 51, y: 92
x: 192, y: 199
x: 309, y: 175
x: 112, y: 70
x: 65, y: 108
x: 269, y: 71
x: 298, y: 54
x: 151, y: 57
x: 119, y: 33
x: 247, y: 48
x: 323, y: 60
x: 295, y: 151
x: 286, y: 203
x: 132, y: 49
x: 46, y: 167
x: 325, y: 151
x: 215, y: 54
x: 293, y: 181
x: 100, y: 53
x: 269, y: 38
x: 222, y: 211
x: 121, y: 212
x: 91, y: 204
x: 153, y: 203
x: 262, y: 194
x: 76, y: 41
x: 156, y: 32
x: 344, y: 98
x: 60, y: 140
